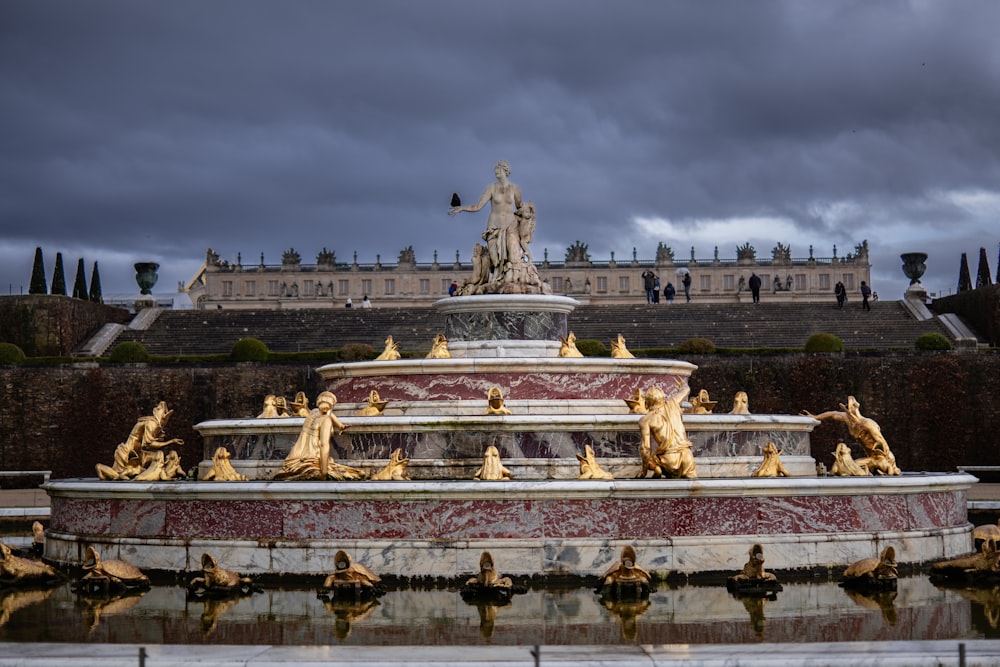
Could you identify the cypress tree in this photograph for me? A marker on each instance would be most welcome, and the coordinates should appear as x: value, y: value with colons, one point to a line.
x: 95, y: 286
x: 38, y: 284
x: 59, y: 277
x: 983, y: 272
x: 964, y: 279
x: 80, y: 285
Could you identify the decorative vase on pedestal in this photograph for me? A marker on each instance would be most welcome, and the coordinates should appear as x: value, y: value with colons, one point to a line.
x: 913, y: 265
x: 145, y: 276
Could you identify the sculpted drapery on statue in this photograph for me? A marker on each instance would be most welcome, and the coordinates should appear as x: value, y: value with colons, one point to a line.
x: 504, y: 265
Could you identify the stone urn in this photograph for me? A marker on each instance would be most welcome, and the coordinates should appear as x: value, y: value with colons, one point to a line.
x: 145, y: 276
x: 913, y: 265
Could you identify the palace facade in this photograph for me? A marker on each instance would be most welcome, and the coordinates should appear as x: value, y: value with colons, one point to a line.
x: 328, y: 283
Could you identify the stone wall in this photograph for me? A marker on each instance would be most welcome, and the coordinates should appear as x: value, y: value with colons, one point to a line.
x: 53, y: 326
x: 937, y: 410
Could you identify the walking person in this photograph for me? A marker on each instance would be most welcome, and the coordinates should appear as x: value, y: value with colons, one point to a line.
x: 866, y: 293
x: 687, y: 286
x: 668, y: 293
x: 754, y: 283
x: 649, y: 284
x: 841, y: 293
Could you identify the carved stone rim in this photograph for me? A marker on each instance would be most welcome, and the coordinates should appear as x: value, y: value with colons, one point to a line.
x: 506, y: 303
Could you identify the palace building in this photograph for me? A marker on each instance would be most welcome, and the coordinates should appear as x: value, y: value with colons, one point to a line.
x: 328, y: 283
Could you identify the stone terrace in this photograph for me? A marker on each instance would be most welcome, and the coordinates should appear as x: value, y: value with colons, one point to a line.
x: 887, y: 325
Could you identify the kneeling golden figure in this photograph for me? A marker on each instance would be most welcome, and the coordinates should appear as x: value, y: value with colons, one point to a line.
x: 310, y: 457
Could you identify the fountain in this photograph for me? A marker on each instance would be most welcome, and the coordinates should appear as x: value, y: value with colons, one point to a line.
x: 505, y: 331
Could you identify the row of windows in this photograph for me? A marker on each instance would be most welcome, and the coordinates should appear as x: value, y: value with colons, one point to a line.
x: 558, y: 284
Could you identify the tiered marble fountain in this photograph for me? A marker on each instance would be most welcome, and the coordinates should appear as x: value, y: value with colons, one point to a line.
x: 544, y: 521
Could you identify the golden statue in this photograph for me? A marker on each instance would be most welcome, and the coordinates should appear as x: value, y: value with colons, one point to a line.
x: 487, y: 584
x: 216, y: 581
x: 771, y: 465
x: 865, y: 431
x: 844, y: 464
x: 984, y: 565
x: 492, y: 468
x: 625, y: 579
x: 391, y: 351
x: 741, y: 404
x: 300, y: 406
x: 16, y: 570
x: 350, y: 580
x: 395, y: 469
x: 375, y: 406
x: 13, y: 600
x: 568, y: 347
x: 137, y: 452
x: 618, y: 349
x: 701, y: 405
x: 110, y: 576
x: 222, y: 470
x: 281, y: 406
x: 636, y: 402
x: 753, y: 579
x: 589, y: 467
x: 878, y: 573
x: 494, y: 401
x: 37, y: 538
x: 663, y: 423
x: 439, y: 348
x: 990, y: 531
x: 310, y: 457
x: 270, y: 410
x: 162, y: 468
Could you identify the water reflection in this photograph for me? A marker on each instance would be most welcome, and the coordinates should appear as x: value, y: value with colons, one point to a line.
x: 689, y: 614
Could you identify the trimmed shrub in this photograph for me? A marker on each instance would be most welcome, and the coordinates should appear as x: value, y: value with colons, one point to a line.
x: 249, y: 349
x: 591, y: 347
x: 696, y: 346
x: 824, y: 342
x: 932, y: 341
x: 129, y: 352
x: 357, y: 352
x: 11, y: 355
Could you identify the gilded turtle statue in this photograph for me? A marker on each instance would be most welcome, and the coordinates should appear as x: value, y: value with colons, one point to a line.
x: 873, y: 573
x: 109, y: 576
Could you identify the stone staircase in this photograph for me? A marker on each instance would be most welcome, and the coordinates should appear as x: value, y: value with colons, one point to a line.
x: 777, y: 325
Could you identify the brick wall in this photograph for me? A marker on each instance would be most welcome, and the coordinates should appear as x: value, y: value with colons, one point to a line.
x: 937, y: 411
x: 53, y: 326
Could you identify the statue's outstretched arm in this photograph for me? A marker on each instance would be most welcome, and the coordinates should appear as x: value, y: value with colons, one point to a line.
x: 472, y: 208
x: 832, y: 414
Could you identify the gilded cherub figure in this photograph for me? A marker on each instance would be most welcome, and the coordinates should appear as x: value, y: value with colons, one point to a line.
x: 663, y: 424
x: 619, y: 349
x: 494, y: 402
x: 137, y: 453
x: 492, y: 469
x: 568, y: 347
x: 867, y: 432
x: 391, y: 351
x: 589, y: 467
x: 374, y: 406
x: 310, y: 457
x: 771, y: 465
x: 439, y: 348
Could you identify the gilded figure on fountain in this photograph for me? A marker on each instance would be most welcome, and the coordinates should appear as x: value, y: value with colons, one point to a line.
x: 310, y: 457
x: 663, y: 425
x: 141, y: 455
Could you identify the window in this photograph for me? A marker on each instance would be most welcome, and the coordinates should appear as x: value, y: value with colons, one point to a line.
x: 800, y: 282
x: 849, y: 281
x: 390, y: 286
x: 366, y: 286
x: 765, y: 281
x: 557, y: 284
x: 623, y: 284
x: 445, y: 285
x: 250, y: 288
x: 729, y: 282
x: 307, y: 287
x: 272, y: 288
x: 824, y: 281
x: 705, y: 283
x: 602, y: 284
x: 227, y: 288
x: 343, y: 287
x: 425, y: 286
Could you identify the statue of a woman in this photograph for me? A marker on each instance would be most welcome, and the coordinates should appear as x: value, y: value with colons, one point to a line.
x: 504, y: 198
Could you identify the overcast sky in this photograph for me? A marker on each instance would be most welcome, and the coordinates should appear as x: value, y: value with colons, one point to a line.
x: 134, y: 130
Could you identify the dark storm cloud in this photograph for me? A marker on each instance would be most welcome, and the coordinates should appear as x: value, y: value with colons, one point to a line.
x: 152, y: 130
